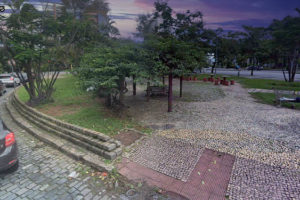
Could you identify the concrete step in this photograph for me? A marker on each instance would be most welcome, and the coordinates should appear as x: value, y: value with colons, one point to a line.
x: 107, y: 146
x: 87, y: 144
x: 69, y: 148
x: 66, y: 125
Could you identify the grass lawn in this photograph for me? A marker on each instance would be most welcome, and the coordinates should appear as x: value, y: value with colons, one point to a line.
x: 261, y: 83
x: 73, y: 105
x: 268, y: 98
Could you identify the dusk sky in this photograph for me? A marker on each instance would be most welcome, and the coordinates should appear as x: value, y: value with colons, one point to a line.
x: 227, y: 14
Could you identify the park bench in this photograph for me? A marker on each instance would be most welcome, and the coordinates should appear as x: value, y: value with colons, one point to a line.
x: 157, y: 90
x: 282, y: 96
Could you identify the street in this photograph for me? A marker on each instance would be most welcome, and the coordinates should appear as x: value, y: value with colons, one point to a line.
x: 44, y: 172
x: 263, y: 74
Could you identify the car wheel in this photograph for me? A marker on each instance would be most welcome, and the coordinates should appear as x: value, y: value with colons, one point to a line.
x: 14, y: 167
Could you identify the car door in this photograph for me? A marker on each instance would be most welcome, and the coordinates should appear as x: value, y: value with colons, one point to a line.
x: 2, y: 138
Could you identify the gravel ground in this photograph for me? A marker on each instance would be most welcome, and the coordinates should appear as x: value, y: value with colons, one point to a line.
x: 237, y: 113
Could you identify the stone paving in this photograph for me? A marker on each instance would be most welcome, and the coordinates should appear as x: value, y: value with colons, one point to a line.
x: 173, y: 157
x: 44, y: 174
x: 252, y: 179
x: 264, y: 139
x: 208, y: 180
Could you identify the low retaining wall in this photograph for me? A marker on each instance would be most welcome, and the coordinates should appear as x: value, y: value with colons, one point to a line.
x: 94, y: 141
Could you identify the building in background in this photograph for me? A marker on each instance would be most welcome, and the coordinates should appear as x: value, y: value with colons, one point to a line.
x: 96, y: 10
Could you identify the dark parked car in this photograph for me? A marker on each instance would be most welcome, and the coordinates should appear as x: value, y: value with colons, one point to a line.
x: 8, y: 149
x: 2, y: 88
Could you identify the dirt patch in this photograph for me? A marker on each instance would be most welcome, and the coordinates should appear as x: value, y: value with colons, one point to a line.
x: 128, y: 137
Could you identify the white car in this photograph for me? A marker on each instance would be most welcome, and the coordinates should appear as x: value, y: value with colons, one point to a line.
x: 9, y: 79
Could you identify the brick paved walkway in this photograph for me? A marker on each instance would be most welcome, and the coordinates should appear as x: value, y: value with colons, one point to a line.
x: 208, y: 180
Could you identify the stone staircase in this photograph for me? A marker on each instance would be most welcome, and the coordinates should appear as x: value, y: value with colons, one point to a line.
x: 86, y: 145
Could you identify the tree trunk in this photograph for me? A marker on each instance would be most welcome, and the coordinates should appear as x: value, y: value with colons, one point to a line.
x: 121, y: 90
x: 252, y: 65
x: 212, y: 68
x: 31, y: 88
x: 148, y: 92
x: 134, y: 85
x: 180, y: 94
x: 170, y: 96
x: 284, y: 73
x: 163, y: 80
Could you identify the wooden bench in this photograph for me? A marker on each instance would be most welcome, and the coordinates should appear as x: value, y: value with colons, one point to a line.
x: 157, y: 90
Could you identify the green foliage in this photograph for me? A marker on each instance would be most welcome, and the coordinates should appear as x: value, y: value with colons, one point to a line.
x: 173, y: 38
x: 38, y: 42
x: 105, y: 68
x: 82, y: 108
x: 269, y: 98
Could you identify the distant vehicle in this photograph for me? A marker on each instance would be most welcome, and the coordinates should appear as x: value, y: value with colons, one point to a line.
x: 2, y: 88
x: 255, y: 68
x: 9, y: 79
x: 8, y: 149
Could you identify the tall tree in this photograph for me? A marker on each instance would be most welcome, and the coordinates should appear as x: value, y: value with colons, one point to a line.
x: 40, y: 44
x: 165, y: 35
x: 254, y: 36
x: 286, y: 38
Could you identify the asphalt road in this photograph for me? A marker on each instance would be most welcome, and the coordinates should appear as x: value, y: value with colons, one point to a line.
x: 264, y: 74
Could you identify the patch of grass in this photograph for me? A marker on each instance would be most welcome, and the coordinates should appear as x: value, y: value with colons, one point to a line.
x: 23, y: 95
x: 92, y: 117
x: 89, y: 113
x: 268, y: 98
x: 268, y: 84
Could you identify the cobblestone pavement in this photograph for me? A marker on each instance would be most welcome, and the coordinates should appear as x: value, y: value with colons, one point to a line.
x: 44, y: 174
x: 251, y: 179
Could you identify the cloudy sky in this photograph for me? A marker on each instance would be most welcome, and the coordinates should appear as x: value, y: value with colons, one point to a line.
x: 228, y: 14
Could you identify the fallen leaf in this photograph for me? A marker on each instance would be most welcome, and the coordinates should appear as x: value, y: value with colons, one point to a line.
x: 104, y: 174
